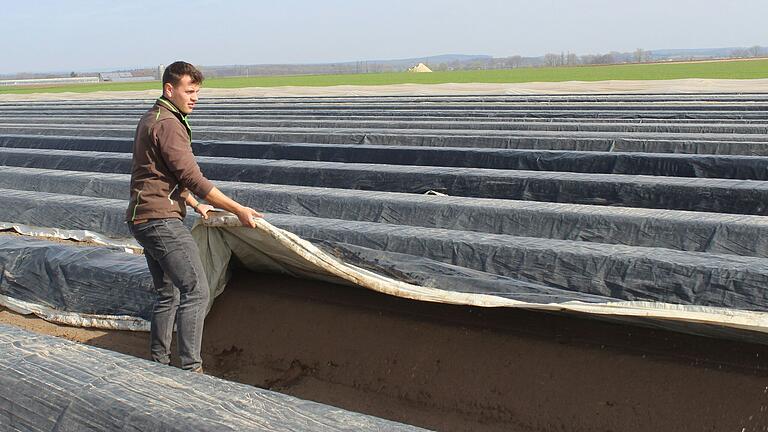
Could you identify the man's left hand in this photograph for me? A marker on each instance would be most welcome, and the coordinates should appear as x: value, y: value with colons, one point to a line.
x: 203, y: 209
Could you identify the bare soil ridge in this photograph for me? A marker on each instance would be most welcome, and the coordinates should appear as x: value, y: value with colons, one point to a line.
x: 692, y: 85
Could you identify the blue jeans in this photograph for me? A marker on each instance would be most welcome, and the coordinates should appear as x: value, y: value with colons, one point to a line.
x: 182, y: 289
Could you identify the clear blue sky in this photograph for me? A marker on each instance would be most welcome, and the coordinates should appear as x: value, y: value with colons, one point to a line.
x: 82, y: 35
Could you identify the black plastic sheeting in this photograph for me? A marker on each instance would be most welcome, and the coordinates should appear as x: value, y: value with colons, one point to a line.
x: 104, y: 282
x: 560, y: 270
x: 79, y: 116
x: 516, y: 169
x: 417, y: 124
x: 722, y: 97
x: 740, y: 126
x: 549, y: 98
x: 52, y: 384
x: 505, y: 115
x: 707, y: 195
x: 86, y: 280
x: 615, y: 271
x: 103, y: 216
x: 716, y: 233
x: 657, y: 164
x: 710, y: 106
x: 751, y: 145
x: 347, y: 105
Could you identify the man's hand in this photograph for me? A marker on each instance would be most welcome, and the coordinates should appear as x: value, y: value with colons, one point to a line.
x: 247, y: 216
x: 203, y: 209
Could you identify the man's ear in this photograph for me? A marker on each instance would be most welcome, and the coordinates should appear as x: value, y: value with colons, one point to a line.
x: 168, y: 89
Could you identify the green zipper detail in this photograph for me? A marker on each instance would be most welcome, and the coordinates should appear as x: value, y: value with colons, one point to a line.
x: 168, y: 105
x: 171, y: 107
x: 189, y: 128
x: 172, y: 191
x: 138, y: 197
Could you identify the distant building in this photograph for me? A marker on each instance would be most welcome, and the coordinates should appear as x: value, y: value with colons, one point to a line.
x: 123, y: 77
x: 421, y: 67
x: 160, y: 71
x: 50, y: 81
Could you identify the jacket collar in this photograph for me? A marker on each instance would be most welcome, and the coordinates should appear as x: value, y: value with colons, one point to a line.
x: 167, y: 104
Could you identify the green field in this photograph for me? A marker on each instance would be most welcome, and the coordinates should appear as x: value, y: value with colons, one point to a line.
x: 721, y: 69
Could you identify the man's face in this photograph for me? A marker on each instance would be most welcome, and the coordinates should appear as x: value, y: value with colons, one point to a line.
x: 184, y: 95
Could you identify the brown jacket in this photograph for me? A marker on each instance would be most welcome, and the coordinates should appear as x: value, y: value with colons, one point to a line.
x: 164, y: 167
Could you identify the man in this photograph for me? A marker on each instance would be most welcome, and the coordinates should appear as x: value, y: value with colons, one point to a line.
x: 163, y: 174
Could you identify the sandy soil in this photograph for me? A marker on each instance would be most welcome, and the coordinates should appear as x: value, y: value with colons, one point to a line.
x: 692, y: 85
x: 458, y: 368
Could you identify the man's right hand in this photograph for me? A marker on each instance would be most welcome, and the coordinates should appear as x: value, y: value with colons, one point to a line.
x: 247, y: 216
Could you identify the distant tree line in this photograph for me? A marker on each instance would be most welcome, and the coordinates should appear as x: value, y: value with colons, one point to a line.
x: 481, y: 63
x: 640, y: 56
x: 755, y: 51
x: 561, y: 59
x: 299, y: 69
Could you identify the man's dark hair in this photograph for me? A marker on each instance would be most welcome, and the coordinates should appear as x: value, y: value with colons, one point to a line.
x: 176, y: 70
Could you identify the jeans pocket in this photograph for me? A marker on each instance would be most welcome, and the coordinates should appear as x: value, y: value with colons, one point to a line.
x: 150, y: 237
